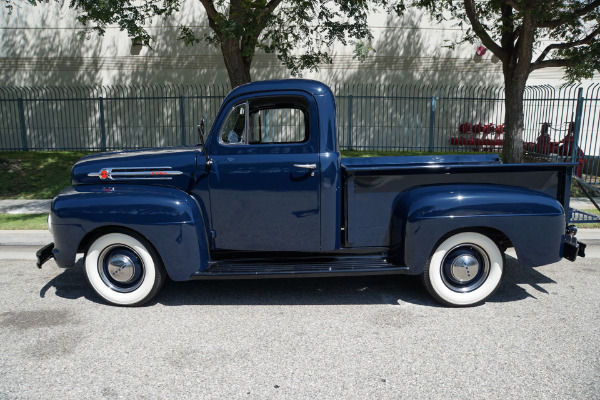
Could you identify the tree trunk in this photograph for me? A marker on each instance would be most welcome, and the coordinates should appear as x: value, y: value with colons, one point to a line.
x: 238, y: 67
x: 516, y: 69
x: 512, y: 151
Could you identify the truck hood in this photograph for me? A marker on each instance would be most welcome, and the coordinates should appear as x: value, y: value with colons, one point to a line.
x: 175, y: 167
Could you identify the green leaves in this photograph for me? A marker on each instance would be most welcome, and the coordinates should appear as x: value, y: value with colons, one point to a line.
x: 130, y: 16
x: 362, y: 50
x: 585, y: 61
x: 9, y: 6
x: 557, y: 32
x: 299, y: 32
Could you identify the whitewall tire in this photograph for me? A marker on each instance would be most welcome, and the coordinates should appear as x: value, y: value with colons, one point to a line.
x: 464, y: 270
x: 124, y: 270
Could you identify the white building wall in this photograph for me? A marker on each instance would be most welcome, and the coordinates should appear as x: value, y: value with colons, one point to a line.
x: 40, y: 46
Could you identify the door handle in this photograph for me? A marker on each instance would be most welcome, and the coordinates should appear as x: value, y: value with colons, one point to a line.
x: 306, y: 166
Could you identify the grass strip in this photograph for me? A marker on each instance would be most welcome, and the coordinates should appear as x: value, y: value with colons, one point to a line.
x: 36, y: 174
x: 12, y: 222
x: 592, y: 225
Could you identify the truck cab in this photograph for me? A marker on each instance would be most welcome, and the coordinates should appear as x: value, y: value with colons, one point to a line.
x: 275, y: 170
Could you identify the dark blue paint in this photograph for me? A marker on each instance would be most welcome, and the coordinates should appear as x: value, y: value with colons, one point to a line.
x: 265, y: 203
x: 434, y: 161
x: 285, y: 215
x: 168, y: 218
x: 423, y: 216
x: 253, y: 199
x: 371, y: 195
x: 256, y: 188
x: 178, y: 158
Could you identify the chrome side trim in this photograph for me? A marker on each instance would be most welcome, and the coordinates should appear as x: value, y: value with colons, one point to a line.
x: 127, y: 173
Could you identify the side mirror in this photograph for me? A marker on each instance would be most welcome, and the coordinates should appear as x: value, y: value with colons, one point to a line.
x: 201, y: 130
x: 201, y: 134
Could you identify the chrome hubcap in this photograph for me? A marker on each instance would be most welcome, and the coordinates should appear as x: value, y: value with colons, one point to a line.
x: 121, y: 268
x: 464, y: 268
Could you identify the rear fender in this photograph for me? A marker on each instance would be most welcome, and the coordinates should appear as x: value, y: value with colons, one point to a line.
x: 533, y: 222
x: 170, y: 219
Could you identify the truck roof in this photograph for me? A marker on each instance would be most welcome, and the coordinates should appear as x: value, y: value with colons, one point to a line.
x: 306, y: 85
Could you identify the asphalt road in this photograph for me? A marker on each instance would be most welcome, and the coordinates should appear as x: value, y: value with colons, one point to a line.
x: 330, y: 338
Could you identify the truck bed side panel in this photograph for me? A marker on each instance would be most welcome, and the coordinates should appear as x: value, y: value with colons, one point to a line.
x: 371, y: 194
x: 533, y: 222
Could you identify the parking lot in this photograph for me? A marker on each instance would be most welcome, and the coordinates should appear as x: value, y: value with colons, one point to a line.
x: 354, y: 338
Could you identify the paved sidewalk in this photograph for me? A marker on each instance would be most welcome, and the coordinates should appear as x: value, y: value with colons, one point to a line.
x: 25, y: 206
x: 41, y: 238
x: 583, y: 203
x: 43, y: 206
x: 25, y: 238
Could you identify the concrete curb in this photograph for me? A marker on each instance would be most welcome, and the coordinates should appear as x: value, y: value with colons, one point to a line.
x: 589, y: 236
x: 583, y: 203
x: 43, y: 206
x: 42, y: 238
x: 25, y: 238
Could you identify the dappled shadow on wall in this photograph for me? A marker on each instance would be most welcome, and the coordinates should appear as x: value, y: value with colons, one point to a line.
x: 406, y: 53
x: 158, y: 97
x: 38, y: 51
x: 408, y: 95
x: 36, y: 55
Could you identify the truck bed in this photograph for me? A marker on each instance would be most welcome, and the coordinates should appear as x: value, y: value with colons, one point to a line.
x: 372, y: 186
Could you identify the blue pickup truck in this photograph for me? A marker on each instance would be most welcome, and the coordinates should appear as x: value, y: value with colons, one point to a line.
x: 266, y: 194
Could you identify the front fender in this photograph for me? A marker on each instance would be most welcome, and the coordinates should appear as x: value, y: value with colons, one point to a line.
x: 532, y: 221
x: 170, y: 219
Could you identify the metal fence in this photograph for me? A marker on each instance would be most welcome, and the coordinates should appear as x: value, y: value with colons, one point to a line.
x: 420, y: 118
x: 104, y: 118
x: 557, y: 118
x: 370, y: 117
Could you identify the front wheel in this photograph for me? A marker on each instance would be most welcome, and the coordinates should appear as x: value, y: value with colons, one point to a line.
x: 124, y: 270
x: 464, y: 269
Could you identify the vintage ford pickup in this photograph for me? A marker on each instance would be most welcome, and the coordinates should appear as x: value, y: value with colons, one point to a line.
x: 267, y: 194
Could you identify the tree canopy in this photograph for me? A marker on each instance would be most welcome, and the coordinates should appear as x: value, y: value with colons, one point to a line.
x: 298, y: 32
x: 9, y: 5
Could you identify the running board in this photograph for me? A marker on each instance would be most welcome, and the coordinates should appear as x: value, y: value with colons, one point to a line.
x: 306, y: 268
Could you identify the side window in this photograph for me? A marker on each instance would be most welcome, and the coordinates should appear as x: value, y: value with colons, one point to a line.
x: 269, y: 120
x: 234, y: 128
x: 277, y: 125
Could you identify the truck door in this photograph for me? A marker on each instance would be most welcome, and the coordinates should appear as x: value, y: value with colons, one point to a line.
x: 264, y: 182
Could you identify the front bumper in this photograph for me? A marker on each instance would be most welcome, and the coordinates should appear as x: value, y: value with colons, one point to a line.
x: 44, y: 254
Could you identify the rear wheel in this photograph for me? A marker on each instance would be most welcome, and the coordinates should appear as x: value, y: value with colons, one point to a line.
x: 464, y: 269
x: 124, y: 270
